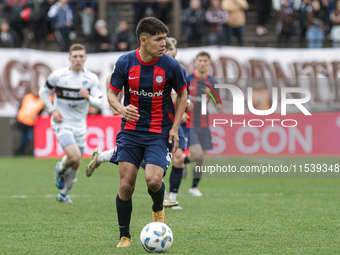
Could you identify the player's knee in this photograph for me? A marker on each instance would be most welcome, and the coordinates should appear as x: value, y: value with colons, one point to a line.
x: 178, y: 159
x: 154, y: 184
x: 196, y: 156
x: 126, y: 188
x: 74, y: 159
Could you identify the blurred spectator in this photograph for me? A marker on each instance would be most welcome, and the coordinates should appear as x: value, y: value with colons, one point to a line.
x: 331, y: 6
x: 38, y: 19
x: 335, y: 19
x: 139, y: 10
x: 263, y: 11
x: 123, y: 37
x: 327, y: 11
x: 194, y: 23
x: 73, y: 34
x: 277, y: 4
x: 100, y: 40
x: 6, y: 37
x: 113, y: 16
x: 305, y: 8
x: 161, y: 10
x: 237, y: 18
x: 204, y: 3
x: 316, y: 25
x: 215, y: 18
x: 12, y: 11
x: 62, y: 17
x: 31, y: 106
x: 87, y: 15
x: 285, y: 24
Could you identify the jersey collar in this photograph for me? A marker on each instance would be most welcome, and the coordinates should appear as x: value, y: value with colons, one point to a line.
x: 144, y: 63
x: 195, y: 75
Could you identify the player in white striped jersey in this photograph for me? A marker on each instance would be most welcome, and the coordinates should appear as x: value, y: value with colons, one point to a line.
x: 76, y: 89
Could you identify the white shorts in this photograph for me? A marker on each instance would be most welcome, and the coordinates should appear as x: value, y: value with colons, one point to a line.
x: 68, y: 135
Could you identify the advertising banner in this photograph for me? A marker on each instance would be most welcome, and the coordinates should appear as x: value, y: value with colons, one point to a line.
x: 291, y: 135
x: 101, y: 134
x: 314, y: 69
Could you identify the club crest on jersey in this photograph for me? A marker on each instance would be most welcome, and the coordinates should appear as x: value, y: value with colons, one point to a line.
x: 159, y: 79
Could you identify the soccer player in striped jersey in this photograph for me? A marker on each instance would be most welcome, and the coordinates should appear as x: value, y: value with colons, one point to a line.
x: 178, y: 157
x: 148, y: 126
x: 199, y: 82
x: 76, y: 89
x: 99, y: 157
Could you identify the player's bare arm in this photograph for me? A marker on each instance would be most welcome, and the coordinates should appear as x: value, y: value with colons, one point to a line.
x: 181, y: 103
x: 129, y: 112
x: 174, y: 97
x: 189, y: 103
x: 44, y: 94
x: 120, y: 95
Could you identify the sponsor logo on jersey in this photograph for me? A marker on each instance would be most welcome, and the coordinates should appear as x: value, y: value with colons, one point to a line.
x: 69, y: 94
x: 146, y: 94
x: 132, y: 78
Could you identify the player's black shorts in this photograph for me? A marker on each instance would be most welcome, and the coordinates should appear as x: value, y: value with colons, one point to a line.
x: 133, y: 146
x: 201, y: 136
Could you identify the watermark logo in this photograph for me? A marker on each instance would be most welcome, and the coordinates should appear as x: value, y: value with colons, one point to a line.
x: 204, y: 98
x: 239, y: 98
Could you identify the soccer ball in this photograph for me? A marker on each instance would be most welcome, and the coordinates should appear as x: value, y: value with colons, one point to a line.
x: 156, y: 237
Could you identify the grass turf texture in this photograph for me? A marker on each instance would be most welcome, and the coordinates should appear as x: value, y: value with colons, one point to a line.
x: 234, y: 216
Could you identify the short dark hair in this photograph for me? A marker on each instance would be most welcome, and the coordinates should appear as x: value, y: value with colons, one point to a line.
x: 150, y: 26
x: 77, y: 46
x: 203, y: 54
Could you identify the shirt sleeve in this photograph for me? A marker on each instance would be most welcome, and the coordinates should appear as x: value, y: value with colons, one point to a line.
x: 179, y: 82
x: 52, y: 80
x: 96, y: 90
x: 117, y: 77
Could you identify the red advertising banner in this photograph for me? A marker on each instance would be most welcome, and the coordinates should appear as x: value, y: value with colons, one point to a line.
x: 101, y: 133
x: 293, y: 134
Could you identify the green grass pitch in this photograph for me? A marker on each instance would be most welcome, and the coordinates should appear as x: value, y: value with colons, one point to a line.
x: 234, y: 216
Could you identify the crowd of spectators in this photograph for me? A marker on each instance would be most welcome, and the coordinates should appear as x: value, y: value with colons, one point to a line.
x: 204, y: 22
x: 311, y: 20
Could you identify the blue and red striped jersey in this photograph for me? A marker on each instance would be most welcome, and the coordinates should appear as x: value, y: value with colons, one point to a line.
x: 148, y: 87
x: 196, y: 88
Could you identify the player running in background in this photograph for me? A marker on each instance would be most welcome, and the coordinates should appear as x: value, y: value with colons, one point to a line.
x: 99, y: 157
x: 200, y: 136
x: 178, y: 157
x: 148, y: 125
x: 76, y: 89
